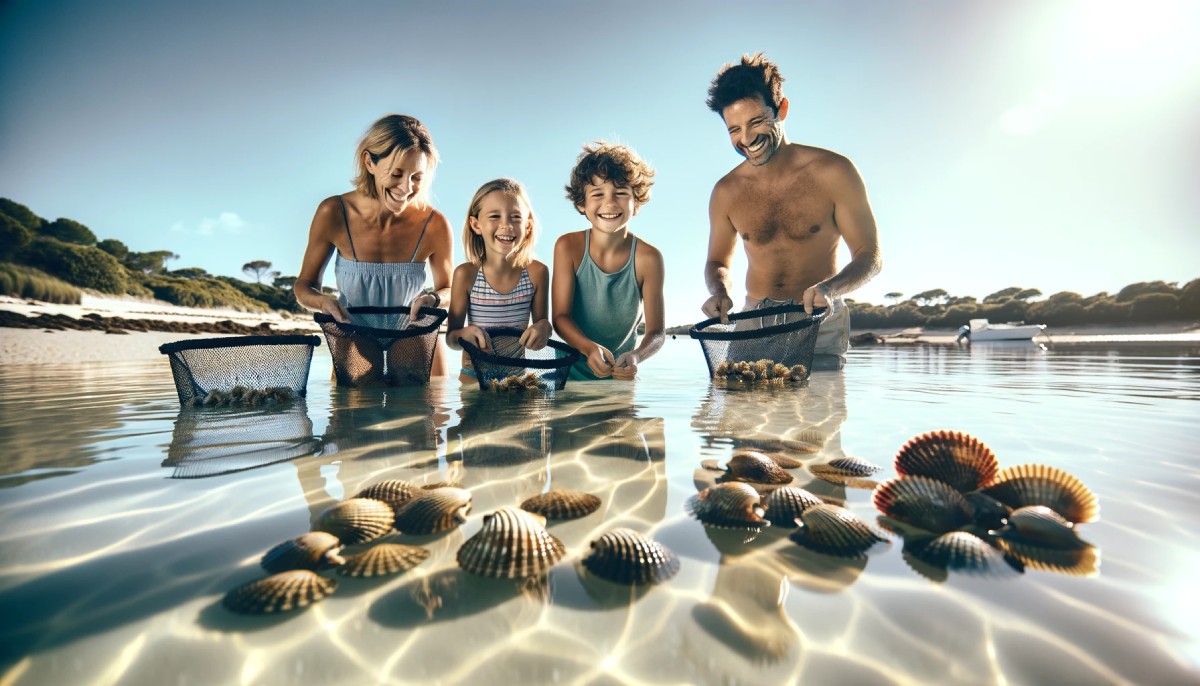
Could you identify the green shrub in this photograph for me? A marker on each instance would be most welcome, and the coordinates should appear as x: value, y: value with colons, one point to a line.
x: 81, y: 265
x: 273, y: 297
x: 22, y: 214
x: 25, y: 282
x: 13, y: 237
x: 201, y: 292
x: 1155, y: 307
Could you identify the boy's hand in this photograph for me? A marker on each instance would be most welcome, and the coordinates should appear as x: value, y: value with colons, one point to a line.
x: 626, y: 366
x: 600, y: 361
x: 476, y: 337
x: 535, y: 336
x: 718, y: 306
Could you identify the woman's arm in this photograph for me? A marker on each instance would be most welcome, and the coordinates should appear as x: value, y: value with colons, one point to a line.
x: 440, y: 265
x: 316, y: 256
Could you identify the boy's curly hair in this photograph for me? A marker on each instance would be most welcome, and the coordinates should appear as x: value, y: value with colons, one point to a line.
x: 755, y: 75
x: 610, y: 162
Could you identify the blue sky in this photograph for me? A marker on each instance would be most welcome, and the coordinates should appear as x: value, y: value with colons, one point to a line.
x: 1038, y: 143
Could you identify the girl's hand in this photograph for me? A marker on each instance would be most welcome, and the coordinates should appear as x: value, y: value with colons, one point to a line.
x: 536, y: 335
x: 476, y: 337
x: 626, y: 366
x: 600, y: 361
x: 332, y: 307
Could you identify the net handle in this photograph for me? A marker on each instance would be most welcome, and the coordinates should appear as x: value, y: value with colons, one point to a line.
x: 571, y: 353
x: 236, y: 341
x: 413, y: 330
x: 818, y: 315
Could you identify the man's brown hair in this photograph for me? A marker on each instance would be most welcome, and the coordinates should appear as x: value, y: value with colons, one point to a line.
x: 754, y: 75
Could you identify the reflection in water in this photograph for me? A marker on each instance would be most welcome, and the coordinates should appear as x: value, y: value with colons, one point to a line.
x: 208, y: 442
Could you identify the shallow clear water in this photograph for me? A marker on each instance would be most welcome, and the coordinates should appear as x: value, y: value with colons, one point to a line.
x: 123, y: 521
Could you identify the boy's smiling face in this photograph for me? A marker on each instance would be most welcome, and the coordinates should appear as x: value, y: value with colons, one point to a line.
x: 607, y: 206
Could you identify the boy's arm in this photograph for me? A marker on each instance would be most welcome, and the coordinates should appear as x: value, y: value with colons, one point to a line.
x: 563, y: 298
x: 651, y: 269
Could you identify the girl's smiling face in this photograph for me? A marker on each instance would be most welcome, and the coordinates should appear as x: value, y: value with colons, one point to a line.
x: 503, y: 223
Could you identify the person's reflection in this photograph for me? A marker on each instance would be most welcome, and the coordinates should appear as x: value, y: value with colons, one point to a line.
x: 213, y: 441
x: 376, y: 434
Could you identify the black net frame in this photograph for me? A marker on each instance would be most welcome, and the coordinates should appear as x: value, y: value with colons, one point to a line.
x: 784, y: 334
x: 367, y: 355
x: 549, y: 366
x: 203, y: 365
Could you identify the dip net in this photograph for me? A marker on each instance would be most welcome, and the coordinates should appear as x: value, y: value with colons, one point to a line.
x: 253, y: 369
x: 382, y: 345
x: 772, y: 343
x: 510, y: 367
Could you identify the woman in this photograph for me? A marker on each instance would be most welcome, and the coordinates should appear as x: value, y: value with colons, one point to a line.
x: 384, y: 232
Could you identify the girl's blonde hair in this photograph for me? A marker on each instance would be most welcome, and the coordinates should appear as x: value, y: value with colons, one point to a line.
x: 473, y: 244
x: 397, y: 132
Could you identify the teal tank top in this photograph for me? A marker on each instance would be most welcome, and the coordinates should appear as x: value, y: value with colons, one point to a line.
x: 607, y: 307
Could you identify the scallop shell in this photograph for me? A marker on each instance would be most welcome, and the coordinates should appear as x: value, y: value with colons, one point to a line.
x: 1039, y: 484
x: 988, y: 512
x: 562, y: 503
x: 512, y: 544
x: 960, y: 551
x: 731, y: 505
x: 842, y: 468
x: 955, y: 458
x: 626, y: 557
x: 1041, y: 525
x: 785, y: 504
x: 281, y: 592
x: 394, y: 492
x: 922, y: 502
x: 785, y: 461
x: 836, y: 531
x: 429, y: 512
x: 356, y: 520
x: 1083, y: 561
x: 314, y: 550
x: 384, y: 559
x: 755, y: 467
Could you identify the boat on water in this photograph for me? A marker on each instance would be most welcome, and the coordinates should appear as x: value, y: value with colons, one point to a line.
x: 983, y: 330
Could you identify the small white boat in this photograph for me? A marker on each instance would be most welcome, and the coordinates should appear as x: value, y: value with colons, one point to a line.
x: 983, y: 330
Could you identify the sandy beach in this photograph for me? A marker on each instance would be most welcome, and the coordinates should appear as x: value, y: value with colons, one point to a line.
x: 116, y: 343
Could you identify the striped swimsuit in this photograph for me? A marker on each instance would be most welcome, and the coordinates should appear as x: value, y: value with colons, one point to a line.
x: 489, y: 309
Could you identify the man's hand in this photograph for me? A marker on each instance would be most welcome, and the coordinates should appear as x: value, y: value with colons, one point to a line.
x: 626, y: 366
x: 718, y: 306
x: 600, y: 361
x: 819, y: 296
x: 535, y: 337
x: 476, y: 337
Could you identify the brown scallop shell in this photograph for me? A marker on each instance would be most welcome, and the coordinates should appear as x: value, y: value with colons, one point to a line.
x: 562, y: 503
x: 1040, y: 525
x: 988, y: 512
x: 960, y: 551
x: 955, y: 458
x: 755, y: 467
x: 433, y: 511
x: 836, y: 531
x: 512, y: 544
x: 840, y: 469
x: 922, y: 502
x: 394, y: 492
x: 383, y: 559
x: 356, y: 520
x: 785, y: 504
x: 1084, y: 561
x: 730, y: 505
x: 281, y: 592
x: 624, y: 556
x: 1039, y: 484
x: 314, y: 550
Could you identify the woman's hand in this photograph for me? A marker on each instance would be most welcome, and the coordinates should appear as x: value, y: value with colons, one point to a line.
x: 422, y: 300
x: 332, y: 307
x: 626, y: 366
x: 535, y: 337
x: 600, y: 361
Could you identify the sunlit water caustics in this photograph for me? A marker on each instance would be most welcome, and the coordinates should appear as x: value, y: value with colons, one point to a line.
x: 125, y: 521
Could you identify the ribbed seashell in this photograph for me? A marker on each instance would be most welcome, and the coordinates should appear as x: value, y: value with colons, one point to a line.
x: 562, y: 503
x: 785, y: 461
x: 394, y: 492
x: 755, y: 467
x: 842, y: 468
x: 356, y: 520
x: 961, y: 551
x: 1084, y: 561
x: 730, y: 505
x: 430, y: 512
x: 785, y: 504
x: 1039, y: 484
x: 1041, y: 525
x: 836, y: 531
x: 512, y: 544
x: 955, y: 458
x: 281, y: 592
x: 922, y: 502
x: 383, y: 559
x: 314, y: 550
x: 987, y: 512
x: 624, y: 556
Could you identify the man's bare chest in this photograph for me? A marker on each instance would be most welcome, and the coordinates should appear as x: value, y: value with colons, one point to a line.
x: 790, y: 215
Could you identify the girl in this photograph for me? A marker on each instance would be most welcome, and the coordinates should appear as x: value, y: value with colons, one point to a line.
x: 501, y: 285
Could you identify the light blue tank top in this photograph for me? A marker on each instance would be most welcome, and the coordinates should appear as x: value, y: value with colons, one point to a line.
x: 377, y: 284
x: 607, y: 307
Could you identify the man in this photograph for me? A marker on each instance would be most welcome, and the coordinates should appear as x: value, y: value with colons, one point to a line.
x: 791, y: 204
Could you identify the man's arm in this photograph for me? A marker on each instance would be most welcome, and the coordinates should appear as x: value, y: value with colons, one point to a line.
x: 722, y: 241
x: 852, y: 215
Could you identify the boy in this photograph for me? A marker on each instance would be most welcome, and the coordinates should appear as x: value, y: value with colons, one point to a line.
x: 605, y: 278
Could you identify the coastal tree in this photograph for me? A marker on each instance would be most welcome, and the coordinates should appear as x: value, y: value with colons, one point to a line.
x: 1133, y: 290
x: 21, y: 214
x: 13, y: 237
x: 931, y: 297
x: 1189, y: 299
x: 69, y: 231
x: 284, y: 282
x: 114, y: 247
x: 1002, y: 294
x: 259, y: 269
x: 1027, y: 293
x: 894, y: 296
x: 190, y: 273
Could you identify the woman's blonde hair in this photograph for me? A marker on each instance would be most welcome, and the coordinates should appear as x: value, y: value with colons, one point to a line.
x: 394, y: 132
x: 473, y: 244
